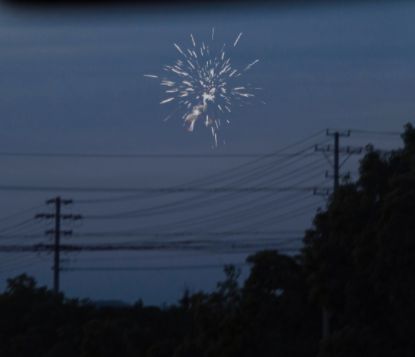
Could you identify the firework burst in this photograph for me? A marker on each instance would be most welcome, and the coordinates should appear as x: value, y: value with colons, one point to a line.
x: 205, y: 85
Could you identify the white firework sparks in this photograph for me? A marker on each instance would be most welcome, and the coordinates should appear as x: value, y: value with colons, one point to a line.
x: 204, y: 84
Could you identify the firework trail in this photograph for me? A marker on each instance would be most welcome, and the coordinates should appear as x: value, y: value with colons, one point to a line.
x: 205, y: 85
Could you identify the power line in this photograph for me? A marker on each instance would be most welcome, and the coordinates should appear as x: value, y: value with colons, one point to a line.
x: 376, y: 132
x: 19, y: 213
x: 22, y: 236
x: 175, y: 246
x: 153, y: 268
x: 261, y: 176
x: 222, y: 214
x: 154, y: 190
x: 251, y: 190
x: 18, y: 264
x: 82, y: 155
x: 142, y: 156
x: 238, y: 211
x: 17, y: 225
x: 221, y: 176
x: 232, y: 233
x: 195, y: 201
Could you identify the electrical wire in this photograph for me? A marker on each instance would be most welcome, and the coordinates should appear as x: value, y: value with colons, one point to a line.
x: 20, y: 213
x: 201, y: 199
x: 139, y: 156
x: 152, y: 268
x: 17, y: 225
x: 376, y: 132
x: 224, y: 174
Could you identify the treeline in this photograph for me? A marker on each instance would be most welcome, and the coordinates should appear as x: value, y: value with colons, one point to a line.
x: 269, y: 315
x: 358, y: 262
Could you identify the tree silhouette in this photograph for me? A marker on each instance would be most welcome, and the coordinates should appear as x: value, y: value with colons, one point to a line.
x: 357, y: 260
x: 359, y: 257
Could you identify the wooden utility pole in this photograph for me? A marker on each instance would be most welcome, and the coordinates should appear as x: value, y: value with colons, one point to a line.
x: 336, y: 150
x: 57, y: 232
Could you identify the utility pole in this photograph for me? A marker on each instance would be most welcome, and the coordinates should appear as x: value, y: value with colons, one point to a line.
x: 336, y: 150
x: 336, y: 166
x: 58, y: 202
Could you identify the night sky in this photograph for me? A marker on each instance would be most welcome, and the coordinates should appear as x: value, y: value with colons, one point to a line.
x: 71, y: 81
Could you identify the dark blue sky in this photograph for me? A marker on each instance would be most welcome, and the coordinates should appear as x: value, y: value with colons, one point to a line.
x: 73, y: 82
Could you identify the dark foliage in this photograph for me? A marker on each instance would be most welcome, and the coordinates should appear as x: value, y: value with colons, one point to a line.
x: 359, y: 258
x: 264, y: 317
x: 358, y: 261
